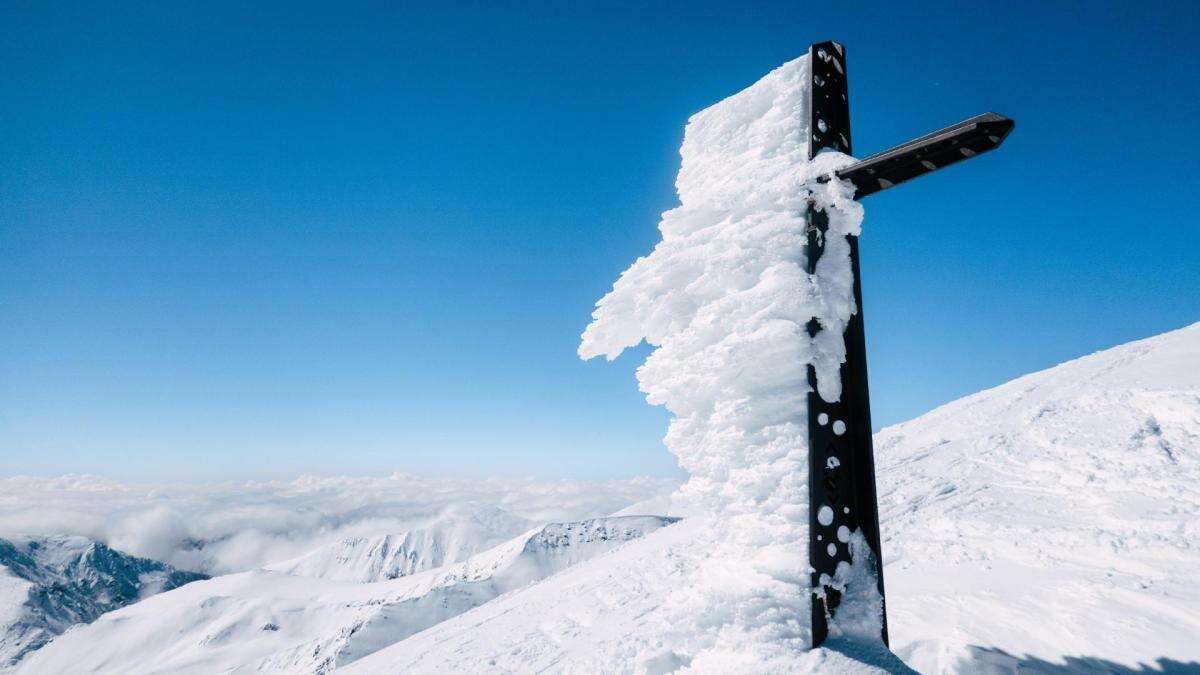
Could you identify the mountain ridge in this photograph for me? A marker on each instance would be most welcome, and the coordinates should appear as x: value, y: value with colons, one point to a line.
x: 52, y: 583
x: 270, y: 621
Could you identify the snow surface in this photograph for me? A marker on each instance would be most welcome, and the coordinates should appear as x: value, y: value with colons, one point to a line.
x: 269, y: 621
x: 1054, y: 516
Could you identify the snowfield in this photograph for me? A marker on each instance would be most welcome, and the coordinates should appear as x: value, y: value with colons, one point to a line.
x: 267, y: 621
x: 1056, y: 515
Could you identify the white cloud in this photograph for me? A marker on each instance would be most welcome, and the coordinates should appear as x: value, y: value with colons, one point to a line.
x: 225, y: 527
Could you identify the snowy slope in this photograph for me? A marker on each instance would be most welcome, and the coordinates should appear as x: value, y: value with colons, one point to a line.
x: 455, y: 535
x: 266, y: 621
x: 617, y: 614
x: 1056, y: 515
x: 1051, y: 524
x: 48, y: 584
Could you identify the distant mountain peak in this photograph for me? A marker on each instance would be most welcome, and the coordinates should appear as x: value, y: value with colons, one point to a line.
x: 452, y: 535
x: 48, y: 584
x: 270, y: 621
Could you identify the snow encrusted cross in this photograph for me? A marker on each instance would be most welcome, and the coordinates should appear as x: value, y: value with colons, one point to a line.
x: 844, y: 541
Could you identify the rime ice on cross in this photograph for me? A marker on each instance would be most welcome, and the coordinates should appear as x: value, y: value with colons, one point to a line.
x: 841, y: 461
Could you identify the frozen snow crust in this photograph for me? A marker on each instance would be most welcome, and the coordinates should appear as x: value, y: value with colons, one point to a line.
x: 725, y: 298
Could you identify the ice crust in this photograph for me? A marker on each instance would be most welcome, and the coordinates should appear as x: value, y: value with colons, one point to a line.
x: 725, y: 298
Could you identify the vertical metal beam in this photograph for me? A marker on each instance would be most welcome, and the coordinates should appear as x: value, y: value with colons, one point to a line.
x: 841, y: 459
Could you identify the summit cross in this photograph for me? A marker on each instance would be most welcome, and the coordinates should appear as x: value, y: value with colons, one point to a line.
x: 841, y: 459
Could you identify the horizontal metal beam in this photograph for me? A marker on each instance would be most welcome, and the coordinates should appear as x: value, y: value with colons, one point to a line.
x: 927, y: 154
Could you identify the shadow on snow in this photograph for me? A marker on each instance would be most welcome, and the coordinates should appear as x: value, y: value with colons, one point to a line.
x: 991, y: 661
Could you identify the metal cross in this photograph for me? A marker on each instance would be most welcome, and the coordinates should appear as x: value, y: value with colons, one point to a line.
x: 841, y: 459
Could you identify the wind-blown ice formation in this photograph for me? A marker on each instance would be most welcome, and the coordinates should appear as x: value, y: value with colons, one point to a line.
x: 725, y: 298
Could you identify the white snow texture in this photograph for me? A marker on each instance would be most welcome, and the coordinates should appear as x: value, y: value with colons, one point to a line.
x: 725, y: 298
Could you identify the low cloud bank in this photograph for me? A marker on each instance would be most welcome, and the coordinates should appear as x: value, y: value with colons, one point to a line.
x: 218, y: 528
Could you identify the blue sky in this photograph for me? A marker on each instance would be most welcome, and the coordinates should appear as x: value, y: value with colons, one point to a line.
x: 260, y: 239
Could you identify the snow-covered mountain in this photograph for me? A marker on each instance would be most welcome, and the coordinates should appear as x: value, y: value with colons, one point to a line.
x: 270, y: 621
x: 455, y: 535
x: 1057, y: 515
x: 48, y: 584
x: 636, y: 610
x: 1051, y: 524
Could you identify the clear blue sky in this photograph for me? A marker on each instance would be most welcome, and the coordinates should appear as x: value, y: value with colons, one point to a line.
x: 266, y: 238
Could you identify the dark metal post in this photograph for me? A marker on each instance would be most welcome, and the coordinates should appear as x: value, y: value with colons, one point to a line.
x: 841, y: 459
x: 841, y: 467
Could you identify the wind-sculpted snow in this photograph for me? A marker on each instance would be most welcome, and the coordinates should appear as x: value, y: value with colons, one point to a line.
x: 267, y: 621
x: 238, y: 526
x: 48, y: 584
x: 725, y: 299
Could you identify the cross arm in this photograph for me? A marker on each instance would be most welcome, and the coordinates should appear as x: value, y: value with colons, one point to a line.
x: 928, y: 153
